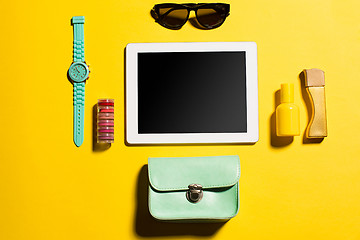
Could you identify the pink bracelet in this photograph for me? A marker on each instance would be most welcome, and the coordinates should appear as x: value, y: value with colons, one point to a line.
x: 105, y: 121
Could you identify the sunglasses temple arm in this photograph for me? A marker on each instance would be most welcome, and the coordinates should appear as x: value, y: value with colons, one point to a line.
x: 154, y: 14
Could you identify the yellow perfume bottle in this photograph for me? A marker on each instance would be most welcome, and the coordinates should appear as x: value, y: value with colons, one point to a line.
x: 315, y: 87
x: 287, y: 113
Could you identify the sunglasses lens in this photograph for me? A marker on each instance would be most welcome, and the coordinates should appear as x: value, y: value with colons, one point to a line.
x: 174, y: 18
x: 211, y: 17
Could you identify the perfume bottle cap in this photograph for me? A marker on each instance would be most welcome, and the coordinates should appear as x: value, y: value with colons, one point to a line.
x: 287, y: 93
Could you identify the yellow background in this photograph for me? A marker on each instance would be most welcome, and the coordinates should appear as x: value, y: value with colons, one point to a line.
x: 50, y: 189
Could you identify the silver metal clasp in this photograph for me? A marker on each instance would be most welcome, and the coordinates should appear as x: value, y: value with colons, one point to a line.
x: 195, y: 193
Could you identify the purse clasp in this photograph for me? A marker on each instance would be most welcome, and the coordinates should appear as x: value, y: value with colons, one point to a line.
x: 195, y: 193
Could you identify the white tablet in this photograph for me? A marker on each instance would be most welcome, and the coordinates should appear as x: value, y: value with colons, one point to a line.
x: 191, y: 93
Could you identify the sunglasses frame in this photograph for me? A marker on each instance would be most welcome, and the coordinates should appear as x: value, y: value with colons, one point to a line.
x: 189, y: 7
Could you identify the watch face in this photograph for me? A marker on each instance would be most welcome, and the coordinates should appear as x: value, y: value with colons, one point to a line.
x: 78, y: 72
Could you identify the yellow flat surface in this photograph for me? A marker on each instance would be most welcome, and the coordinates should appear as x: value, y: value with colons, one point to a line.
x: 50, y: 189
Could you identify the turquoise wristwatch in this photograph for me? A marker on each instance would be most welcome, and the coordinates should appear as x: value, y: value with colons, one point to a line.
x: 79, y: 73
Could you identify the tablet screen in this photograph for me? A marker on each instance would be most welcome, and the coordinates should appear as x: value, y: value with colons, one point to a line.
x: 192, y: 92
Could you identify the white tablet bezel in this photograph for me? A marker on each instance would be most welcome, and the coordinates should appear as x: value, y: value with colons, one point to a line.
x: 132, y: 135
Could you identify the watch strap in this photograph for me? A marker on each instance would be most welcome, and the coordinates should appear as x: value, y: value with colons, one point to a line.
x: 79, y: 102
x: 79, y: 48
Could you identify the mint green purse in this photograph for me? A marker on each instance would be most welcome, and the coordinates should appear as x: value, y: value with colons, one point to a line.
x: 194, y: 188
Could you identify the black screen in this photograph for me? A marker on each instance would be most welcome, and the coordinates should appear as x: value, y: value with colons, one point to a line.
x: 192, y: 92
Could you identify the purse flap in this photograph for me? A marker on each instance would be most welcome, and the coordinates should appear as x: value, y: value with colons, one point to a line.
x: 171, y: 174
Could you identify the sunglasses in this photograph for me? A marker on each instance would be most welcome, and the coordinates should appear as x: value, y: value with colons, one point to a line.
x: 208, y: 15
